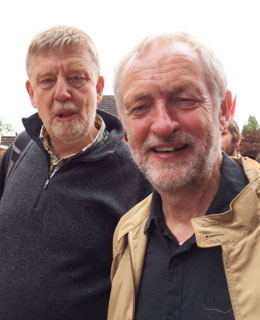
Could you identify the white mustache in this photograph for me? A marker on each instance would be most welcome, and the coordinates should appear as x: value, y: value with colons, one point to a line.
x: 66, y: 106
x: 175, y: 138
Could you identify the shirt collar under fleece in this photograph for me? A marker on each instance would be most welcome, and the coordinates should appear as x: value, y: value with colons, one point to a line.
x: 54, y: 161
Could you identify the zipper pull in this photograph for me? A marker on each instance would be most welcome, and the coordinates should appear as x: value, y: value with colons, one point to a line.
x: 46, y: 184
x: 55, y: 170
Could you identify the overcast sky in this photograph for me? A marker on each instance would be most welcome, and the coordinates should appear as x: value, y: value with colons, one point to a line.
x: 230, y: 27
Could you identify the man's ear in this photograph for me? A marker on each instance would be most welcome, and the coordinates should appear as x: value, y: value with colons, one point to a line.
x: 99, y: 88
x: 30, y: 92
x: 224, y: 112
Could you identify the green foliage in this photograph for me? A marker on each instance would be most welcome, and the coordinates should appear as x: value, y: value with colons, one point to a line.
x: 6, y: 128
x: 250, y: 125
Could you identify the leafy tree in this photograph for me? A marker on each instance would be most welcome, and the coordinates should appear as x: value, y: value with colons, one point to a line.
x: 250, y: 144
x: 250, y: 125
x: 6, y: 128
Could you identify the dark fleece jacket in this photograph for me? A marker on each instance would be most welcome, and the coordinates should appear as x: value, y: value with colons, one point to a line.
x: 55, y: 242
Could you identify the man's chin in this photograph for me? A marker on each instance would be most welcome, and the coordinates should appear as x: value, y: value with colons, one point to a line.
x: 68, y: 131
x: 66, y: 137
x: 166, y: 179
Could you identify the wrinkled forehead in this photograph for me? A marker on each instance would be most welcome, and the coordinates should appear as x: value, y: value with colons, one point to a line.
x: 175, y: 61
x: 76, y: 52
x: 162, y: 57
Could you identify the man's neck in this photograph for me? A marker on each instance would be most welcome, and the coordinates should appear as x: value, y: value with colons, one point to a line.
x: 180, y: 206
x: 63, y: 149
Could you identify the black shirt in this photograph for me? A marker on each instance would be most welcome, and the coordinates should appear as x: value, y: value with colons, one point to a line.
x: 186, y: 282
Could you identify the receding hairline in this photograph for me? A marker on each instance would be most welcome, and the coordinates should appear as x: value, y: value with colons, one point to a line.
x: 212, y: 65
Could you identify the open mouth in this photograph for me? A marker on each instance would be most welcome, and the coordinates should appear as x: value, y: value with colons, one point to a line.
x: 168, y: 149
x: 65, y: 115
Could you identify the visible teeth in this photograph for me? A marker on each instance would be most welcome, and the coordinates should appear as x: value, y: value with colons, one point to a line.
x: 165, y: 149
x: 168, y: 149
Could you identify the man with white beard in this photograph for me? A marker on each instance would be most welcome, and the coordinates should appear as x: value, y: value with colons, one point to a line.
x: 67, y: 190
x: 190, y: 250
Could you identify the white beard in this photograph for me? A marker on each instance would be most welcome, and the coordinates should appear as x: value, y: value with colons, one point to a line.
x: 69, y: 131
x: 172, y: 176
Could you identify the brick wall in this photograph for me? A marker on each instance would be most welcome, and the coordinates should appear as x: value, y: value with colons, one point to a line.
x: 7, y: 140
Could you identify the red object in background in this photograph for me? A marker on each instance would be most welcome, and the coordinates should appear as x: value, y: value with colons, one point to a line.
x: 232, y: 110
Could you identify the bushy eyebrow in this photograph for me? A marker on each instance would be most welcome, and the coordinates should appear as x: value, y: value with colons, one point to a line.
x: 136, y: 98
x: 187, y: 87
x: 78, y: 71
x: 69, y: 73
x: 42, y: 75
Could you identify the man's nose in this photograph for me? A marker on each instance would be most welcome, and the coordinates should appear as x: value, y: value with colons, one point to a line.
x: 164, y: 121
x: 62, y: 90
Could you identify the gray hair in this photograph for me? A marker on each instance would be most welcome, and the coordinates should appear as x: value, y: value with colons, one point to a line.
x: 213, y: 68
x: 59, y: 37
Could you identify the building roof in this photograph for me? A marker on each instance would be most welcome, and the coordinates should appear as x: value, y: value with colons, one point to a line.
x: 108, y: 104
x: 7, y: 140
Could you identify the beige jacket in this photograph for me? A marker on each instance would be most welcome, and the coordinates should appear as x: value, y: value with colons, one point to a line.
x: 237, y: 231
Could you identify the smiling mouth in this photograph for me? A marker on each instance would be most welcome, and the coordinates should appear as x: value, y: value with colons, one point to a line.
x: 168, y: 149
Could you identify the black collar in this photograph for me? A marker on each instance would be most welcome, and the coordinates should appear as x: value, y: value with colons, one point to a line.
x: 232, y: 181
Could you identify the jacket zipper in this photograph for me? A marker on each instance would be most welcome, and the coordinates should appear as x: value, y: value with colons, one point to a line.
x: 55, y: 170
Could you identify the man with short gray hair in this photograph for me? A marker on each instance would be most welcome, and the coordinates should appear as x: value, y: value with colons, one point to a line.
x: 60, y: 202
x: 191, y: 249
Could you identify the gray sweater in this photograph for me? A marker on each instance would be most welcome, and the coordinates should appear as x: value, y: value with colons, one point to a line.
x: 55, y: 243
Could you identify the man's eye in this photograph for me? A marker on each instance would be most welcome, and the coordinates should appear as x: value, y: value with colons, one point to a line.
x: 184, y: 100
x: 139, y: 110
x: 77, y: 81
x: 185, y: 103
x: 47, y: 81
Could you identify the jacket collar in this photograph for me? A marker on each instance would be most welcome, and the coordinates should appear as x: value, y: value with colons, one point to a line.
x: 236, y: 223
x: 134, y: 218
x: 233, y: 181
x: 33, y: 125
x: 215, y: 229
